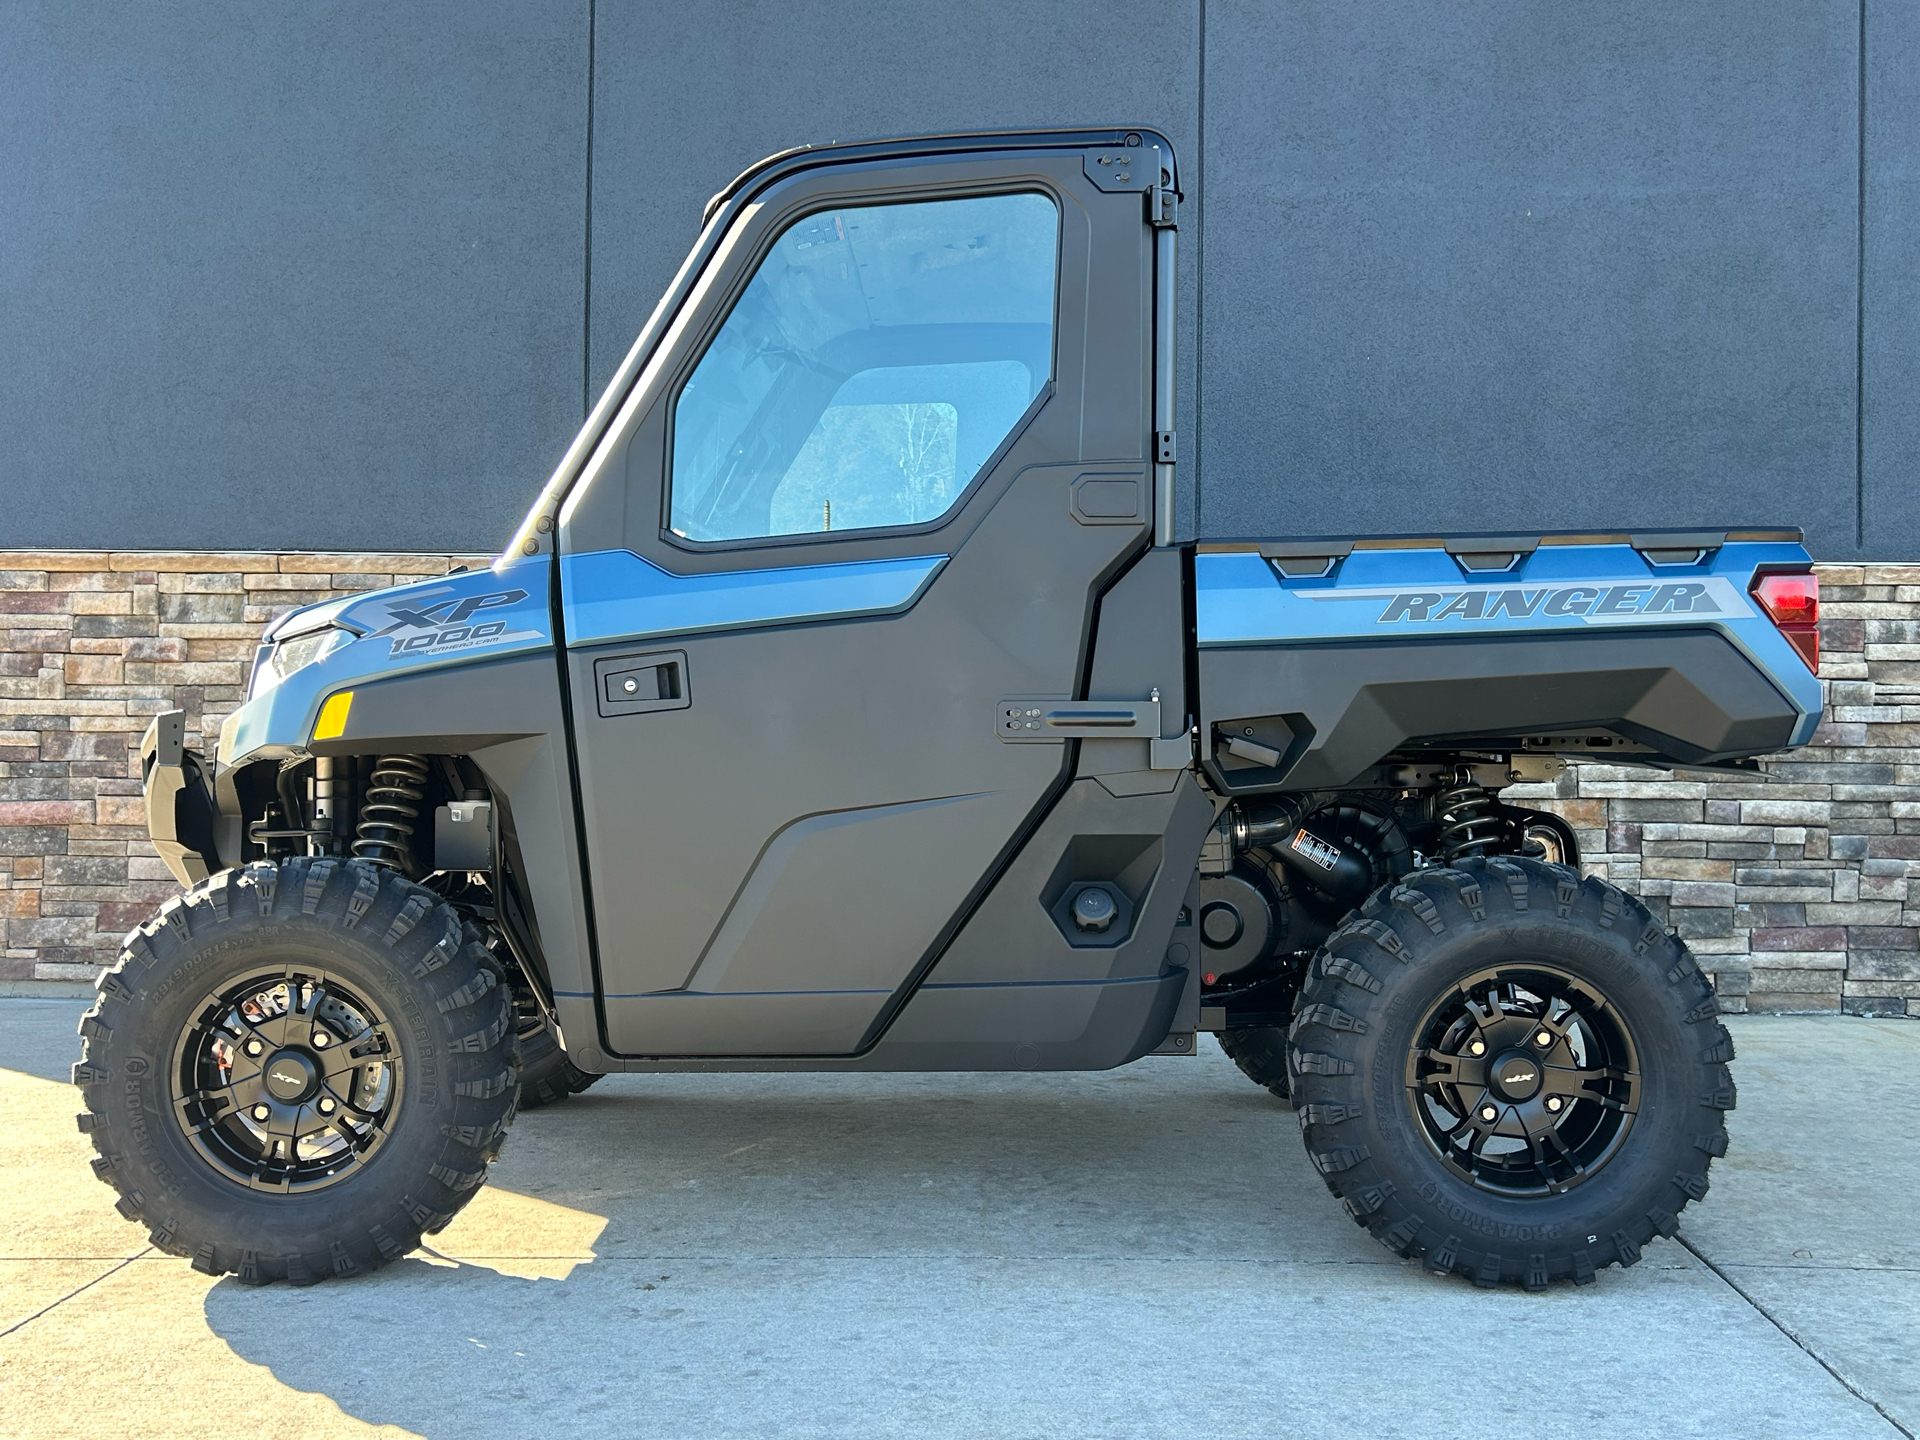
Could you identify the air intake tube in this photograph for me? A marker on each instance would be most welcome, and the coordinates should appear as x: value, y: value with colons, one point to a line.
x: 1285, y: 828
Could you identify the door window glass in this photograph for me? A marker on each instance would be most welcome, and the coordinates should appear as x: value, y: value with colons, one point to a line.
x: 878, y: 357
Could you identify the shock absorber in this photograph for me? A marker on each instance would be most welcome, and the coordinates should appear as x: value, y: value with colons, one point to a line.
x: 387, y: 814
x: 1468, y: 822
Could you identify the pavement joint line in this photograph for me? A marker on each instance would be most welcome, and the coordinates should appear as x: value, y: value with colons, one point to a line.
x: 1788, y: 1331
x: 1837, y: 1269
x: 22, y: 1324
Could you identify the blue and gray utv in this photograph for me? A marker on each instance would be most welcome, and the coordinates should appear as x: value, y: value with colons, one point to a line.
x: 846, y: 702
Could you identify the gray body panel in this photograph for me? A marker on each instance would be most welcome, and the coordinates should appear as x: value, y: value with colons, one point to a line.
x: 776, y: 863
x: 1334, y: 710
x: 507, y: 715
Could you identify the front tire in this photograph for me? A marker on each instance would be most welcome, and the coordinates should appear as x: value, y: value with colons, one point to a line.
x: 298, y: 1069
x: 1510, y: 1072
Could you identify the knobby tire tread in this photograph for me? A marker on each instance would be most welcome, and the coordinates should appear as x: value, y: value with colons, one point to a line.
x: 416, y: 946
x: 1375, y: 959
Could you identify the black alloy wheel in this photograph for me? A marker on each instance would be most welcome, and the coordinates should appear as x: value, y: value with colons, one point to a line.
x: 287, y: 1079
x: 1525, y: 1080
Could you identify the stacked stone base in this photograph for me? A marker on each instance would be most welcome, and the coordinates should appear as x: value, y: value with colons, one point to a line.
x: 1792, y: 886
x: 92, y: 645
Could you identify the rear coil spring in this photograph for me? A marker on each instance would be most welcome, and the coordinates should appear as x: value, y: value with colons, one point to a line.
x: 1468, y: 823
x: 385, y: 832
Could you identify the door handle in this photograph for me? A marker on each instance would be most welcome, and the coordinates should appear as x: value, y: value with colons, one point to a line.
x: 640, y: 684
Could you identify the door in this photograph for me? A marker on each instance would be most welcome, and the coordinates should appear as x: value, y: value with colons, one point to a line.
x: 868, y: 487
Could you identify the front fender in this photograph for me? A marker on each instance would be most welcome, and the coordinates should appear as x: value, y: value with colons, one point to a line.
x: 438, y: 624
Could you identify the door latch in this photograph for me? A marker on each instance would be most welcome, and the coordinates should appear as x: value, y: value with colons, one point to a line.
x: 637, y: 684
x: 1032, y: 719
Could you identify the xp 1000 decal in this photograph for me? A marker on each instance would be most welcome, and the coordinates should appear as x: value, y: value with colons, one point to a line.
x: 467, y: 617
x: 432, y: 624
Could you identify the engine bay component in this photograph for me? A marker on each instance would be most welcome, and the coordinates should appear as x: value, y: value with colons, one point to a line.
x: 463, y: 835
x: 1242, y: 922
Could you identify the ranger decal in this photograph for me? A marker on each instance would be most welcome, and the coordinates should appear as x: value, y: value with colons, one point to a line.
x: 1687, y: 597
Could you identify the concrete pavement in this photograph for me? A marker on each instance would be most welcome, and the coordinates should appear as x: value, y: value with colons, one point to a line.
x: 1143, y: 1252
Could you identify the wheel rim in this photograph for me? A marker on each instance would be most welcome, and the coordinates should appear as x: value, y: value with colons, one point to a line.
x: 1525, y: 1080
x: 286, y: 1080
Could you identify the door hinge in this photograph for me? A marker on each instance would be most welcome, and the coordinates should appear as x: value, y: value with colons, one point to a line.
x: 1163, y: 447
x: 1137, y: 169
x: 1163, y: 207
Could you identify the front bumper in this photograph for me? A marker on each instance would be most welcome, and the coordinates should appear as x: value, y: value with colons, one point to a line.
x: 180, y: 805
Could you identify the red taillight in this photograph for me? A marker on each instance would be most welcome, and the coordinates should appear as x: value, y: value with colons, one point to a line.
x: 1792, y: 602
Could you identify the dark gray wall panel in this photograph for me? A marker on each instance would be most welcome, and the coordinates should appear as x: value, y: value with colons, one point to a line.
x: 1530, y: 264
x: 313, y: 277
x: 287, y: 276
x: 1890, y: 333
x: 684, y: 100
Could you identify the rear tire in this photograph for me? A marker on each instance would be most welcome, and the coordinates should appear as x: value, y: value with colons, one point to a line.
x: 1261, y: 1053
x: 547, y: 1076
x: 1578, y: 1130
x: 296, y: 1070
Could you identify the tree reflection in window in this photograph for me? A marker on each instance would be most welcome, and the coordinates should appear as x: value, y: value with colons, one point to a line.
x: 874, y: 363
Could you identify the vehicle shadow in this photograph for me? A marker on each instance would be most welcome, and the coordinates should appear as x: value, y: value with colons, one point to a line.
x: 818, y: 1254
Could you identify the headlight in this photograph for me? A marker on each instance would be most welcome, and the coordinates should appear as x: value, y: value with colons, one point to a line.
x: 281, y: 660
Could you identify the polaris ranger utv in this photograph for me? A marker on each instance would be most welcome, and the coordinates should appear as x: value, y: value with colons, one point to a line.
x: 846, y: 702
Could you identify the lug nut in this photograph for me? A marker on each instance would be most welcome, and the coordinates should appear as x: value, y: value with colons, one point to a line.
x: 1554, y: 1102
x: 327, y: 1105
x: 1487, y: 1112
x: 1478, y: 1047
x: 254, y: 1047
x: 1543, y: 1038
x: 261, y: 1112
x: 321, y: 1039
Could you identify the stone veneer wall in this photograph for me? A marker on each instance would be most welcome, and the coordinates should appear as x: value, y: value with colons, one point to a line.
x: 1792, y: 886
x: 92, y: 644
x: 1797, y: 888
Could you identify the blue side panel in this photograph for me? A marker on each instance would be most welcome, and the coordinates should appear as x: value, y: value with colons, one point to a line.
x: 1241, y: 598
x: 616, y: 595
x: 427, y: 625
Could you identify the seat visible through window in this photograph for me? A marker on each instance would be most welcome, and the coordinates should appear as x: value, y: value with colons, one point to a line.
x: 875, y: 362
